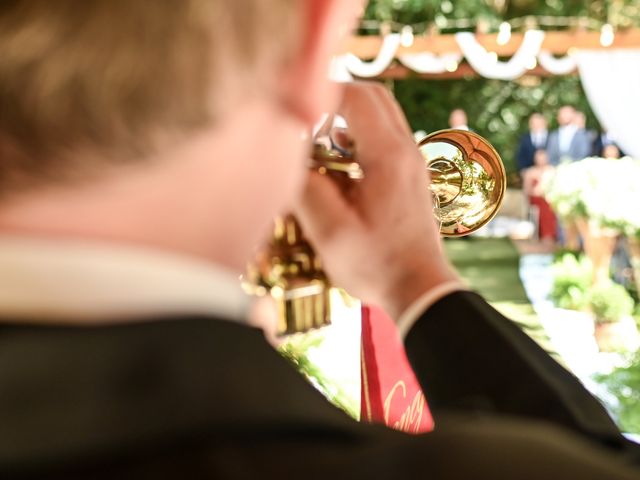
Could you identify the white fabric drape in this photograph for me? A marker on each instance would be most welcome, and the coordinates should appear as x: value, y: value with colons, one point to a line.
x: 485, y: 65
x: 375, y: 67
x: 611, y: 80
x: 338, y: 70
x: 346, y: 66
x: 557, y: 66
x: 426, y: 62
x: 343, y: 67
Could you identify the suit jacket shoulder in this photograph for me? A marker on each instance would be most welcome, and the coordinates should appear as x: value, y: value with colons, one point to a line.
x: 197, y: 397
x: 74, y: 393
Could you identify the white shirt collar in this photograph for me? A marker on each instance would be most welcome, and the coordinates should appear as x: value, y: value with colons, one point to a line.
x: 568, y: 128
x: 69, y: 281
x: 538, y: 137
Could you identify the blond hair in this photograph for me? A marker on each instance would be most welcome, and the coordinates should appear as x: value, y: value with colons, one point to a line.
x: 108, y: 75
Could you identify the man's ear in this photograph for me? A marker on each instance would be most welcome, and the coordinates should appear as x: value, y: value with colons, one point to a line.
x: 307, y: 91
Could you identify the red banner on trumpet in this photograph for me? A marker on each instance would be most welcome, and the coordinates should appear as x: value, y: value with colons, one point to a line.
x: 390, y: 393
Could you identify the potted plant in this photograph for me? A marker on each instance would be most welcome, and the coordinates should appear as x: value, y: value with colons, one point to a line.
x: 563, y: 191
x: 632, y: 232
x: 611, y: 305
x: 571, y: 282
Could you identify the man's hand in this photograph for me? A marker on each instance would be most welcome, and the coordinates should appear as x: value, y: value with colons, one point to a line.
x: 380, y: 240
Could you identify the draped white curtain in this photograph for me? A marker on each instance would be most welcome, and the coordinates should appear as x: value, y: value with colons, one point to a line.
x: 427, y: 62
x: 348, y: 65
x: 611, y: 80
x: 338, y: 69
x: 482, y: 62
x: 378, y: 65
x: 557, y: 66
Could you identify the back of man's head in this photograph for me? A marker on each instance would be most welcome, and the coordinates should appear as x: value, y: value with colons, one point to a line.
x: 111, y: 78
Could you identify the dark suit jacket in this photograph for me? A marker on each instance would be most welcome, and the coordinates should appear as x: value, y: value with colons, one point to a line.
x: 526, y: 151
x: 197, y: 397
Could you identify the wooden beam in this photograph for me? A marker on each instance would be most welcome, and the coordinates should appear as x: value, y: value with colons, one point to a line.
x: 398, y: 72
x: 558, y: 43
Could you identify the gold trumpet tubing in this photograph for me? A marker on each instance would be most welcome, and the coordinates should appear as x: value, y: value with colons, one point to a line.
x: 353, y: 170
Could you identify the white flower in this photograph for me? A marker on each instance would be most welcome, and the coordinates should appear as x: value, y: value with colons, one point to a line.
x: 607, y: 191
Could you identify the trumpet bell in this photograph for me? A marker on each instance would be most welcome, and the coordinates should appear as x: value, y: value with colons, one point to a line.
x: 467, y: 178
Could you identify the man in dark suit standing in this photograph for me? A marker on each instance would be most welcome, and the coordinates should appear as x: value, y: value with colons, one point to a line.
x: 534, y: 139
x: 145, y: 148
x: 569, y: 142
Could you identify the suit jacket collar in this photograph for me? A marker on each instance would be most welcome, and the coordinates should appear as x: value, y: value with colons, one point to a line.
x: 71, y: 281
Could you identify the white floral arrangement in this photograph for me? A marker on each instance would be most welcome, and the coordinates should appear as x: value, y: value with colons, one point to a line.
x: 606, y: 191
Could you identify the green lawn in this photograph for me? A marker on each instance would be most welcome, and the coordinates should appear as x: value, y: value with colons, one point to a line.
x: 490, y: 266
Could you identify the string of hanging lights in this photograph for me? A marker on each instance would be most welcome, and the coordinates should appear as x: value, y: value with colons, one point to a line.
x: 483, y: 26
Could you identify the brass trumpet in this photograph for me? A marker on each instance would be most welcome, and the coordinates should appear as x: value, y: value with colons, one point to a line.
x: 467, y: 180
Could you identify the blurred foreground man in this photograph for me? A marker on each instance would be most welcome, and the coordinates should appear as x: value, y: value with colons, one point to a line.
x: 144, y: 149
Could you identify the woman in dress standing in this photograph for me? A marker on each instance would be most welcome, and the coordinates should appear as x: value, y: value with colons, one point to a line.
x: 533, y: 180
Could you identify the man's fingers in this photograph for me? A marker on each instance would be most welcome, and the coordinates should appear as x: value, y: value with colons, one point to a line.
x: 396, y: 114
x: 378, y: 127
x: 364, y: 111
x: 369, y: 106
x: 322, y: 210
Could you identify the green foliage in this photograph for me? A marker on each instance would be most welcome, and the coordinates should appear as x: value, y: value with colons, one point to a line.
x: 610, y: 302
x: 624, y: 384
x: 571, y: 281
x: 572, y: 289
x: 413, y: 11
x: 296, y: 350
x: 620, y: 12
x: 497, y: 110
